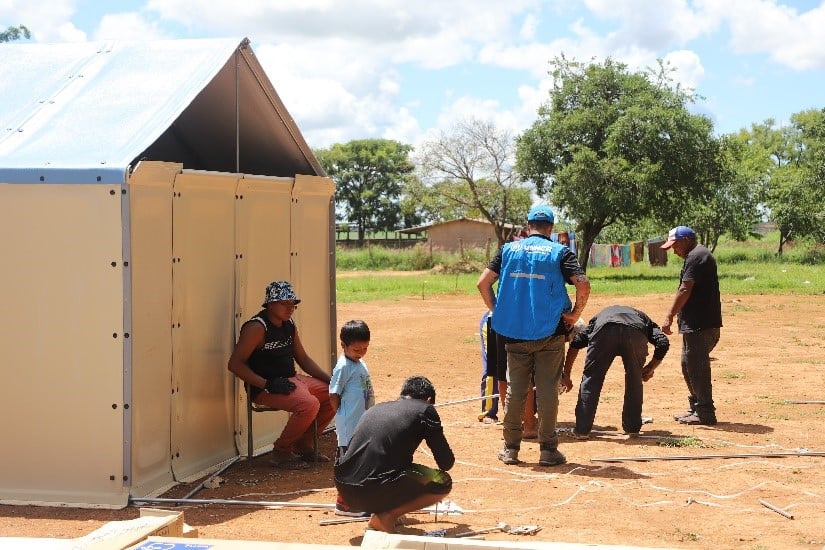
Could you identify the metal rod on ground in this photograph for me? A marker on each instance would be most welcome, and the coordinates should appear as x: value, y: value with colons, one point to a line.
x: 466, y: 400
x: 210, y: 478
x: 701, y: 457
x: 804, y: 402
x: 779, y: 511
x: 342, y: 520
x: 144, y: 500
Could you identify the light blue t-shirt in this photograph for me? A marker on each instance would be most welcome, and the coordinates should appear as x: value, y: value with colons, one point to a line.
x: 351, y: 381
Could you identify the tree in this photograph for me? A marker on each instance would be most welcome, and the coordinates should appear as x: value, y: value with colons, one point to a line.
x: 369, y: 175
x: 613, y: 146
x: 795, y: 155
x: 468, y: 171
x: 15, y: 33
x: 733, y: 208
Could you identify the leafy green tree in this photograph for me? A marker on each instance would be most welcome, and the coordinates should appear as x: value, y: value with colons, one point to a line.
x: 468, y: 171
x: 733, y: 208
x: 795, y: 155
x: 369, y: 175
x: 614, y: 146
x: 15, y: 33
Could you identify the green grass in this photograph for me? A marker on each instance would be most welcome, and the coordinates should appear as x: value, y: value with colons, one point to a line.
x: 745, y: 268
x: 690, y: 441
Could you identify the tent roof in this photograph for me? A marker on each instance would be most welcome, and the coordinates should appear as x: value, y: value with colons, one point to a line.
x: 89, y: 111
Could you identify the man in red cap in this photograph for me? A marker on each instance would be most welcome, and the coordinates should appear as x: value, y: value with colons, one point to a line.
x: 698, y: 308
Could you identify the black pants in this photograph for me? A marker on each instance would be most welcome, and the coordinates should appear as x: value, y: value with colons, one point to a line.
x: 696, y: 348
x: 609, y: 342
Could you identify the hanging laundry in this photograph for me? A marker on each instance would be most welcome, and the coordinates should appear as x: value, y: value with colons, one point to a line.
x: 638, y: 252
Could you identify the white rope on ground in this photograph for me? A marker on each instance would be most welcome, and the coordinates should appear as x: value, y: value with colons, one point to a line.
x: 708, y: 493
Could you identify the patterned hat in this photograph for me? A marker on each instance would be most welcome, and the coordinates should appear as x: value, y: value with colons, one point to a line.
x: 280, y: 291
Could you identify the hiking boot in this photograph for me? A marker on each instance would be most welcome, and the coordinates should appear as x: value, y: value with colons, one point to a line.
x: 341, y: 509
x: 508, y: 456
x: 551, y: 457
x: 694, y: 419
x: 679, y: 416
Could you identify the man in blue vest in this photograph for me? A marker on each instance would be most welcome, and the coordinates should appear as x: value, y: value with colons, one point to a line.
x: 533, y: 312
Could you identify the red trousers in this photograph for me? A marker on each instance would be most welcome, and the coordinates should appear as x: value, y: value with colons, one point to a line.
x: 307, y: 402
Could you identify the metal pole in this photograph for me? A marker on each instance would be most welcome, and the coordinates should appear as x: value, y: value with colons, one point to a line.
x: 466, y: 400
x: 779, y: 511
x: 231, y: 502
x: 702, y: 457
x: 342, y: 520
x: 210, y: 478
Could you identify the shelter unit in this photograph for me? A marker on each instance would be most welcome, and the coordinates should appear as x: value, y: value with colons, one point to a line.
x: 459, y: 234
x: 148, y: 194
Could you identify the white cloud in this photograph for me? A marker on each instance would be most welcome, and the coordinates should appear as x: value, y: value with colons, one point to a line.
x: 688, y: 68
x: 127, y: 26
x: 653, y: 25
x: 788, y: 37
x: 46, y: 19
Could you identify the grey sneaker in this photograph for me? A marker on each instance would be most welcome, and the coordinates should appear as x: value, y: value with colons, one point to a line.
x: 551, y: 458
x: 508, y: 456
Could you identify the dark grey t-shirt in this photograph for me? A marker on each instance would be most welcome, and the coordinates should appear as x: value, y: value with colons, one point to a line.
x: 382, y: 447
x: 704, y: 307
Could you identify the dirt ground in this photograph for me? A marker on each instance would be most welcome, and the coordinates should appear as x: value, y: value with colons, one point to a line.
x: 771, y: 352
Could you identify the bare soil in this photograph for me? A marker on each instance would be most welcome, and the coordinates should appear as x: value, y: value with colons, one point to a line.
x: 771, y: 352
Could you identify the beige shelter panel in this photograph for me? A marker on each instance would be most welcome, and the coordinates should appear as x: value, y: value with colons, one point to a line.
x: 61, y: 345
x: 150, y: 201
x: 313, y: 266
x: 203, y: 286
x: 262, y: 231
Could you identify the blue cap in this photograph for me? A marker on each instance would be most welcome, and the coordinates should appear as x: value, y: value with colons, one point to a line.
x: 678, y: 233
x: 541, y: 213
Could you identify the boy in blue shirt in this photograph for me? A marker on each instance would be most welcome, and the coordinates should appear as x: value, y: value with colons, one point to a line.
x: 350, y: 392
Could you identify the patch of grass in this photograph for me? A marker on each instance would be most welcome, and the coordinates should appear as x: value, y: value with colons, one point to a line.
x: 689, y: 441
x: 732, y: 375
x: 746, y: 268
x: 686, y: 536
x: 775, y: 416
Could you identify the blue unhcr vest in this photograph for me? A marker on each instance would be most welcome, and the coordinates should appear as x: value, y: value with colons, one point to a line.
x: 531, y: 291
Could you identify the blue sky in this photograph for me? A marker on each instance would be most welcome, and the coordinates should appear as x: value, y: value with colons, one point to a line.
x: 407, y: 70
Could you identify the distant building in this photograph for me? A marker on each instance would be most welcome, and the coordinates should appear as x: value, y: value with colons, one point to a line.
x: 458, y: 234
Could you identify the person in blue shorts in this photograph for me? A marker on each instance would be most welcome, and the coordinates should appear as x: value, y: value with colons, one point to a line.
x: 350, y: 392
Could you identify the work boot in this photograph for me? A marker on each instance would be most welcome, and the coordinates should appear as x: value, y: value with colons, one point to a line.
x: 508, y: 456
x: 681, y: 415
x: 551, y: 457
x: 694, y: 419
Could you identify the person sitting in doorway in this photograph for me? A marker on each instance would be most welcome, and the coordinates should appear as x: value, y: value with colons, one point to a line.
x: 264, y: 357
